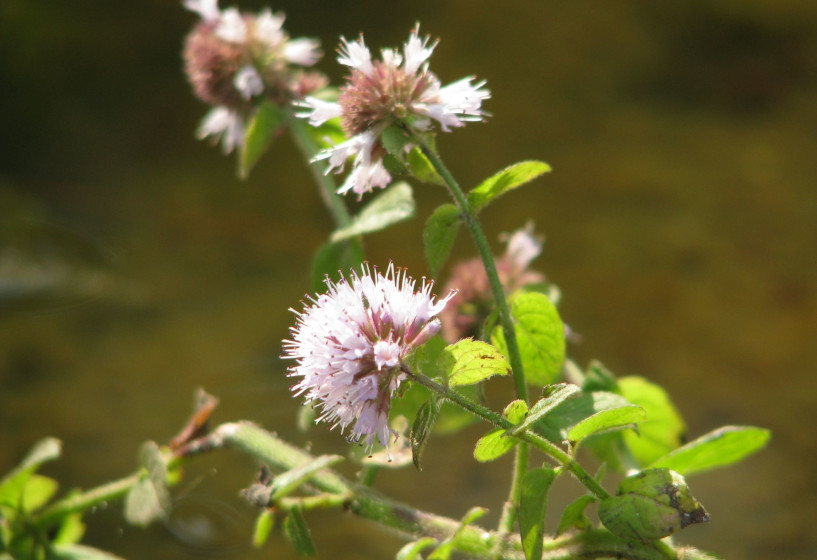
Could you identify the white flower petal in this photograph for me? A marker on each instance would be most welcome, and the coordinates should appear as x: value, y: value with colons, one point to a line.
x: 231, y: 26
x: 417, y: 51
x: 356, y: 55
x: 305, y: 52
x: 225, y: 123
x: 269, y: 28
x: 318, y: 111
x: 207, y: 9
x: 248, y: 82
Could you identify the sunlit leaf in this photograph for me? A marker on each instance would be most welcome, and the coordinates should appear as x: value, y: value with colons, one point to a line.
x: 291, y: 480
x: 391, y: 206
x: 553, y: 396
x: 508, y: 179
x: 570, y: 412
x: 261, y: 129
x: 718, y: 448
x: 444, y: 551
x: 606, y: 420
x: 263, y: 525
x: 650, y: 505
x: 71, y: 528
x: 515, y: 411
x: 38, y: 490
x: 532, y: 508
x: 493, y: 445
x: 297, y: 532
x: 421, y: 167
x: 13, y: 484
x: 471, y: 361
x: 439, y: 235
x: 663, y: 428
x: 540, y: 336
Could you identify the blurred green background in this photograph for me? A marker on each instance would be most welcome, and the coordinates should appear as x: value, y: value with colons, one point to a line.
x: 681, y: 220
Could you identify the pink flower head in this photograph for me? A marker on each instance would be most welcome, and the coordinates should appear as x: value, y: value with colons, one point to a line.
x: 349, y: 344
x: 397, y: 89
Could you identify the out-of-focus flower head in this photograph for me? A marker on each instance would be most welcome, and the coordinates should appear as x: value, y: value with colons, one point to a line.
x: 349, y: 345
x: 233, y: 59
x: 397, y: 89
x: 473, y: 302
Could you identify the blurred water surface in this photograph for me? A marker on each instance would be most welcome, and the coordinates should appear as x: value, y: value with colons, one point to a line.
x: 681, y: 220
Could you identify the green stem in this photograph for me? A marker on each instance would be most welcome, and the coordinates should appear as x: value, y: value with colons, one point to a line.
x: 488, y: 262
x: 86, y: 500
x: 511, y: 507
x: 547, y: 447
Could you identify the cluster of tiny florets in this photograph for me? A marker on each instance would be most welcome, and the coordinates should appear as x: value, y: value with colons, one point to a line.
x: 232, y: 59
x: 397, y: 89
x: 349, y: 344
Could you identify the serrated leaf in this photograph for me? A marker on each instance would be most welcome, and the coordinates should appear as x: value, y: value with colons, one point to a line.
x: 493, y: 445
x: 439, y: 235
x: 574, y: 516
x: 470, y: 361
x: 79, y: 552
x: 391, y: 206
x: 719, y: 448
x: 555, y: 425
x: 291, y: 480
x: 508, y: 179
x: 540, y: 336
x: 297, y: 532
x: 651, y: 505
x: 421, y: 429
x: 606, y: 420
x: 261, y: 129
x: 663, y: 428
x: 553, y: 396
x: 263, y: 525
x: 532, y: 509
x: 331, y: 259
x: 413, y: 550
x: 422, y: 168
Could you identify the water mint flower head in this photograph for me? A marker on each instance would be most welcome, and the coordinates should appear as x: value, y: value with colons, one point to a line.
x: 397, y: 89
x: 234, y: 59
x: 349, y: 344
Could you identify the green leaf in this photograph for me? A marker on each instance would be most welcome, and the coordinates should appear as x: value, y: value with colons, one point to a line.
x: 439, y: 235
x: 263, y: 525
x: 421, y: 167
x: 391, y: 206
x: 39, y: 489
x: 719, y: 448
x: 540, y: 336
x: 609, y: 419
x: 328, y: 134
x: 297, y: 532
x: 471, y: 361
x: 497, y: 442
x: 509, y: 178
x: 261, y: 130
x: 599, y: 378
x: 291, y: 480
x: 79, y: 552
x: 421, y: 429
x: 570, y: 412
x: 394, y: 139
x: 574, y: 516
x: 532, y: 508
x: 651, y: 505
x: 553, y: 396
x: 148, y: 500
x: 331, y: 259
x: 493, y: 445
x: 13, y: 485
x: 71, y: 529
x: 413, y: 550
x: 663, y: 428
